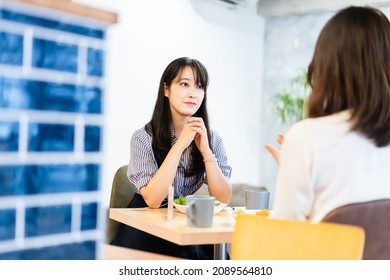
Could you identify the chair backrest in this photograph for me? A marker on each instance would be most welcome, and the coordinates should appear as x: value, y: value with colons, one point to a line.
x: 122, y: 192
x: 259, y: 238
x: 374, y: 217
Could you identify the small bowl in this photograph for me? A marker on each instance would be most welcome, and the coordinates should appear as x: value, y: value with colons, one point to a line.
x: 180, y: 208
x: 217, y: 208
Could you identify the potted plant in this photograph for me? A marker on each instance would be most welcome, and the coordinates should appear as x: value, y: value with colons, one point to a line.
x: 289, y: 104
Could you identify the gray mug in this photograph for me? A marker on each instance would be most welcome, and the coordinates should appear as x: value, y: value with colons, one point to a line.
x: 200, y: 210
x: 256, y: 199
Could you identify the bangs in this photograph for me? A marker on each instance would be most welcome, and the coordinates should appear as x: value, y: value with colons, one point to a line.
x: 200, y: 75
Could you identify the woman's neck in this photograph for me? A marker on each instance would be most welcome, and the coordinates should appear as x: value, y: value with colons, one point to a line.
x: 178, y: 124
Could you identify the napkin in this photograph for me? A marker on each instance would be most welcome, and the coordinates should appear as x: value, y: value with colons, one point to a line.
x: 170, y: 203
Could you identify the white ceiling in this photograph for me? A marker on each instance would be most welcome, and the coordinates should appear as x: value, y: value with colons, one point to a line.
x: 291, y: 7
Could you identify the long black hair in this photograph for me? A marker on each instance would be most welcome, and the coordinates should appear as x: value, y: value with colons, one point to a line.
x: 159, y: 126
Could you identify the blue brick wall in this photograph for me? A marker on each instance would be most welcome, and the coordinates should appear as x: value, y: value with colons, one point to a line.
x: 49, y: 96
x: 11, y: 48
x: 51, y: 123
x: 54, y: 55
x: 9, y: 135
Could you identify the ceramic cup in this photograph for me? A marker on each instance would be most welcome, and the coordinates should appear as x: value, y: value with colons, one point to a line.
x: 200, y: 210
x: 256, y: 199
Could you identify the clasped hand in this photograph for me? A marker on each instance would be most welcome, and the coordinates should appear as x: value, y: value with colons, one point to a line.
x: 195, y: 129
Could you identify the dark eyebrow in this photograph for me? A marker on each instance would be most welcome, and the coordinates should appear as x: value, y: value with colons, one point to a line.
x: 185, y: 79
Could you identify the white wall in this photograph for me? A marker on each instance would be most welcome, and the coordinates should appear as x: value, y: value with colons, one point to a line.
x: 149, y: 35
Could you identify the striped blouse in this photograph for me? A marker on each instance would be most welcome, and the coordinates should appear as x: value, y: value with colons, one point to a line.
x: 143, y: 165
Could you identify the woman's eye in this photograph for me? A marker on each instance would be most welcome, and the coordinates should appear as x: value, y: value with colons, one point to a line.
x: 185, y: 84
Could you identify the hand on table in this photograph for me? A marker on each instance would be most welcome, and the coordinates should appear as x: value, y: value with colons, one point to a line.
x: 275, y: 152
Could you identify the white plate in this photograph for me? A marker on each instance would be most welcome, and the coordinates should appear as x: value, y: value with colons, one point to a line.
x: 237, y: 210
x: 182, y: 208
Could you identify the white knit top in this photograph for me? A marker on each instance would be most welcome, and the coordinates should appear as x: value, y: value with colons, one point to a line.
x: 323, y: 165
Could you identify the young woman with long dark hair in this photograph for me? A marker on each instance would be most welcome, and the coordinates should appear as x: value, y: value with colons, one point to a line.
x: 176, y: 147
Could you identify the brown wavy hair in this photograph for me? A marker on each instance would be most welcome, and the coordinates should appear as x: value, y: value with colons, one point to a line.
x: 350, y: 70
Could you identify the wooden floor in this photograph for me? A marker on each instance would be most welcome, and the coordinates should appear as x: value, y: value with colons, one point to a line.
x: 111, y: 252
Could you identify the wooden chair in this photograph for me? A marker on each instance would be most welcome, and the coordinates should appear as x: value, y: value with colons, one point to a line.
x: 374, y: 217
x: 259, y: 238
x: 122, y: 192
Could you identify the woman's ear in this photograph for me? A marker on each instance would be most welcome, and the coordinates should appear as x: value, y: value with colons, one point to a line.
x: 166, y: 90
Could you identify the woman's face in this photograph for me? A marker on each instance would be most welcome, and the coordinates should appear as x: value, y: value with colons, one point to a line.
x: 185, y: 97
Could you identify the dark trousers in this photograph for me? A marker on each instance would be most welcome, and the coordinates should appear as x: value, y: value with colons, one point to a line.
x: 130, y: 237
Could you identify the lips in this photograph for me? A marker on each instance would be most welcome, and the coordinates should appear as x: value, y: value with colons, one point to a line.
x: 190, y: 103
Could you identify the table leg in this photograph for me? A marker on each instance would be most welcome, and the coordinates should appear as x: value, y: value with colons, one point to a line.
x: 220, y: 251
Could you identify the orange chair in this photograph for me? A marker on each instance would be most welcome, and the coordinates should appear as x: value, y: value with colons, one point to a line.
x: 259, y: 238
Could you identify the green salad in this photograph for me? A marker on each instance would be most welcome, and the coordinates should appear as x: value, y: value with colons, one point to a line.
x: 181, y: 200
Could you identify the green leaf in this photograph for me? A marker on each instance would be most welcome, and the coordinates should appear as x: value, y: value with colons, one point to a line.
x: 180, y: 200
x: 289, y: 104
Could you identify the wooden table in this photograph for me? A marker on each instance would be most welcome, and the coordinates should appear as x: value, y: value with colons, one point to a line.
x: 155, y: 222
